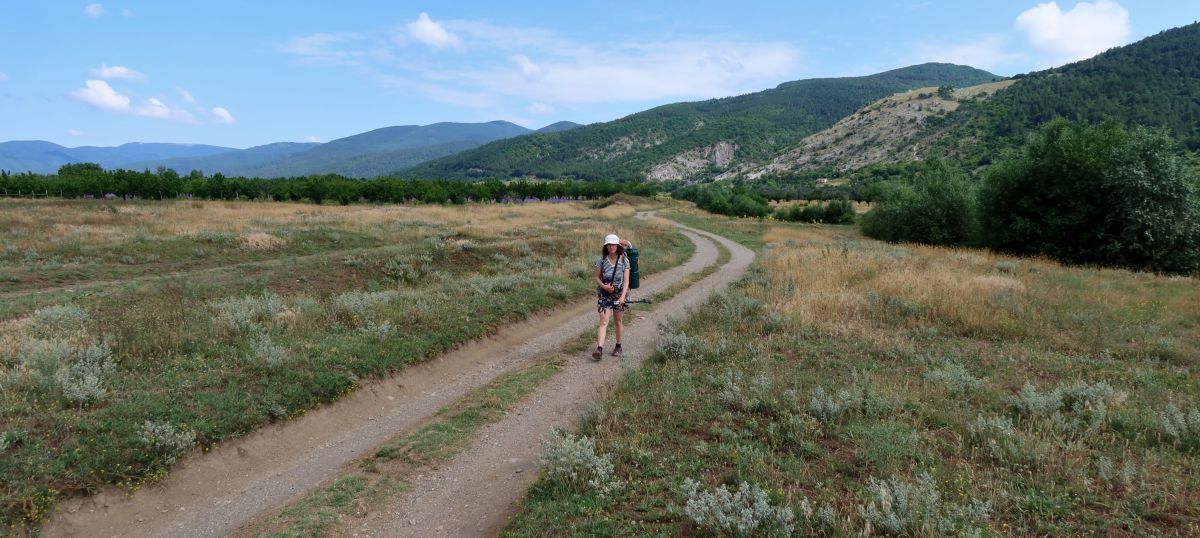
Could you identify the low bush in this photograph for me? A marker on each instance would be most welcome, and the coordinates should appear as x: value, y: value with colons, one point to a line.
x: 746, y: 512
x: 573, y: 462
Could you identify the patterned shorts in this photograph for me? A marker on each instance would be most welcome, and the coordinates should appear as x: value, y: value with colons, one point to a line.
x: 605, y: 301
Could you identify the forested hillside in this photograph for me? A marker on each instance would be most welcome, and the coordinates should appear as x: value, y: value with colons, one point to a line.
x: 754, y: 125
x: 1153, y: 83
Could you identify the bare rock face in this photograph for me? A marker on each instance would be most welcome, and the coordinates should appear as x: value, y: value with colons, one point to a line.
x: 688, y: 164
x: 891, y: 129
x: 623, y: 145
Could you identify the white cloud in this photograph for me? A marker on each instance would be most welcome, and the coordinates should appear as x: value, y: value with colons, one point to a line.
x: 326, y: 48
x: 528, y: 68
x: 540, y: 108
x: 117, y: 71
x: 100, y: 95
x: 987, y: 52
x: 187, y: 96
x: 74, y: 132
x: 1084, y: 31
x: 126, y: 12
x: 645, y: 71
x: 425, y: 30
x: 153, y: 108
x: 222, y: 115
x: 315, y: 139
x: 93, y: 10
x: 3, y: 77
x: 567, y: 71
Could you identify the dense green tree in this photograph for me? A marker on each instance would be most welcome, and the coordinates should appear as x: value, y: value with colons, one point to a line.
x: 936, y: 207
x: 1096, y: 194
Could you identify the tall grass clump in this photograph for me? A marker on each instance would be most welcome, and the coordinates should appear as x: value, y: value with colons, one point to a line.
x: 745, y: 512
x: 572, y: 461
x: 901, y: 508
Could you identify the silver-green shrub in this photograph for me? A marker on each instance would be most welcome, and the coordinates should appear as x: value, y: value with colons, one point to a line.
x: 827, y: 408
x: 1003, y: 442
x: 1180, y: 426
x: 677, y: 346
x: 736, y: 307
x: 266, y: 351
x: 558, y: 291
x: 82, y: 381
x: 495, y: 284
x: 359, y: 306
x: 746, y: 512
x: 1113, y: 477
x: 573, y: 461
x: 1074, y: 407
x: 736, y: 392
x: 901, y: 508
x: 376, y: 330
x: 44, y: 357
x: 57, y: 320
x: 955, y: 378
x: 246, y: 313
x: 167, y: 440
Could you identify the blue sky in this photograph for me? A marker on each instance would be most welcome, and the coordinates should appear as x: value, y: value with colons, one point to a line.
x: 239, y: 73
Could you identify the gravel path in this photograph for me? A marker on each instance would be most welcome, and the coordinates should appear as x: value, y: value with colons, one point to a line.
x: 475, y: 493
x: 215, y: 493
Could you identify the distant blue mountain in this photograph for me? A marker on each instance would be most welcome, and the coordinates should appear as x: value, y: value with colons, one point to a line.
x: 365, y: 155
x: 231, y: 163
x: 46, y: 157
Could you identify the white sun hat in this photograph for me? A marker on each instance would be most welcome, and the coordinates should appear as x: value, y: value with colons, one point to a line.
x: 612, y: 239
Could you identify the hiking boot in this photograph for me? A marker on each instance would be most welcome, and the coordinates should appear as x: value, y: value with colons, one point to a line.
x: 598, y: 353
x: 617, y: 351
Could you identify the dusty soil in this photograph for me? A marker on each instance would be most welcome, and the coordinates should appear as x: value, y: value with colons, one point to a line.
x: 215, y: 493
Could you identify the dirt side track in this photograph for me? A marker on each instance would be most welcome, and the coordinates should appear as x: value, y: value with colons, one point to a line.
x: 214, y: 494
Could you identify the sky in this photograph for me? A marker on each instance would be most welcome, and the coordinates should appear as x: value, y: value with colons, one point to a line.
x: 241, y: 74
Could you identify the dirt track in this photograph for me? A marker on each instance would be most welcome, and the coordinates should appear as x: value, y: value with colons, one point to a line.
x: 214, y: 494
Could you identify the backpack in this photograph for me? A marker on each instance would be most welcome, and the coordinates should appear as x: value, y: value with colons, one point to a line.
x: 634, y: 278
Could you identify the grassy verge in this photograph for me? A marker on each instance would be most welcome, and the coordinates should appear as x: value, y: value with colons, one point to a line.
x: 95, y: 392
x: 848, y: 387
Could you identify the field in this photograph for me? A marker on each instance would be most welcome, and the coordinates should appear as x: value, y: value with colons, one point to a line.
x: 134, y: 332
x: 848, y: 386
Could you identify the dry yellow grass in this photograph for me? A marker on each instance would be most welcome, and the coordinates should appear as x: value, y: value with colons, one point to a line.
x: 261, y: 241
x: 852, y: 286
x: 32, y: 224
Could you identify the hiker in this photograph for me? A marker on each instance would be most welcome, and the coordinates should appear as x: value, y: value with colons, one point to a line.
x: 612, y: 273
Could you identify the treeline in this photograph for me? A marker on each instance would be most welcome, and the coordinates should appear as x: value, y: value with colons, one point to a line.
x: 1097, y: 194
x: 747, y: 201
x: 91, y: 180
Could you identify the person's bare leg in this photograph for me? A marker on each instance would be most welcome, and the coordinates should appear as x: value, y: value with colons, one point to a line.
x: 599, y: 351
x: 617, y: 316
